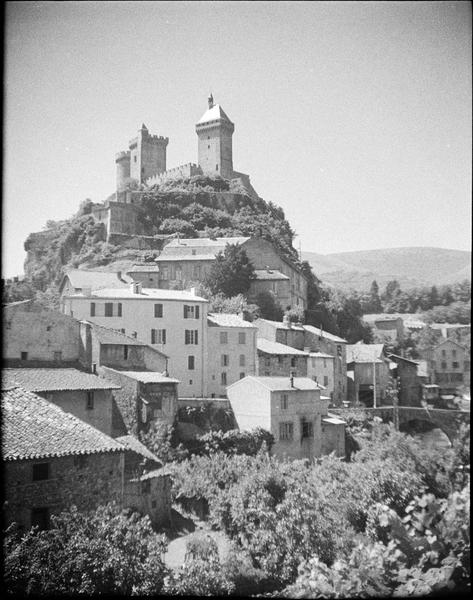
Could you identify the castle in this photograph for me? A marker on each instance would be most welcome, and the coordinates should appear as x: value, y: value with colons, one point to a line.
x: 143, y: 165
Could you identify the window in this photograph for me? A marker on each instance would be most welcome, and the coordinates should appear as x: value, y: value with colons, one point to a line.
x: 125, y: 352
x: 284, y: 400
x: 164, y: 273
x: 92, y: 309
x: 307, y: 429
x: 94, y: 367
x: 280, y: 360
x: 57, y: 355
x: 325, y: 380
x: 109, y: 309
x: 325, y: 363
x: 223, y: 337
x: 24, y: 356
x: 242, y: 375
x: 444, y: 353
x: 293, y: 362
x: 225, y: 360
x: 223, y: 378
x: 339, y: 350
x: 122, y: 330
x: 158, y: 310
x: 40, y: 518
x: 119, y: 309
x: 191, y: 336
x: 454, y: 353
x: 134, y: 158
x: 191, y: 363
x: 467, y: 365
x: 146, y: 486
x: 242, y: 337
x: 158, y: 336
x: 267, y: 361
x: 444, y: 365
x: 286, y: 431
x: 90, y: 400
x: 191, y: 312
x: 196, y: 271
x: 40, y: 471
x: 216, y: 167
x: 134, y: 334
x: 242, y: 360
x: 455, y: 364
x: 178, y: 273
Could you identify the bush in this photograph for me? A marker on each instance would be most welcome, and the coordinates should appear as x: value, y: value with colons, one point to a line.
x: 105, y: 551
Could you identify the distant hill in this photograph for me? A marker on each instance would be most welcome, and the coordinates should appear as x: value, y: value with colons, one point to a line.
x: 410, y: 266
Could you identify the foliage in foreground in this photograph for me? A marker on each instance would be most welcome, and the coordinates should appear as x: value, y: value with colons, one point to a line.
x: 104, y: 551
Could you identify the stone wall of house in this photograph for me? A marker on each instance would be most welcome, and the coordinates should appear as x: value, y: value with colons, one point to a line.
x: 86, y: 481
x: 150, y: 495
x: 281, y: 365
x: 154, y: 361
x: 113, y: 355
x: 410, y: 392
x: 45, y: 335
x: 125, y: 397
x: 75, y: 403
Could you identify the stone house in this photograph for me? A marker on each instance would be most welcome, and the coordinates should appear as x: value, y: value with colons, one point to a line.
x: 231, y: 351
x: 276, y: 359
x: 449, y: 364
x: 369, y: 373
x: 144, y: 397
x: 76, y: 281
x: 172, y: 321
x: 310, y: 339
x: 389, y: 328
x: 189, y: 260
x: 321, y: 368
x: 292, y: 409
x: 35, y: 336
x: 409, y: 384
x: 147, y: 274
x: 81, y: 394
x: 52, y: 460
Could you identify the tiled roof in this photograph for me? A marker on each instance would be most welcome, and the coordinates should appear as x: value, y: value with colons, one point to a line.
x: 229, y: 320
x: 34, y: 428
x: 110, y: 336
x: 52, y: 380
x: 269, y: 275
x: 324, y: 334
x: 147, y: 268
x: 281, y: 325
x: 372, y: 318
x: 145, y: 294
x: 197, y: 248
x: 282, y: 384
x: 213, y: 114
x: 320, y: 355
x: 269, y: 347
x: 132, y: 443
x: 146, y: 376
x: 80, y: 278
x: 365, y: 353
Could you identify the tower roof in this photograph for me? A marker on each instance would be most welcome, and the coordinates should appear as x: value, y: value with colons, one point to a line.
x: 213, y: 114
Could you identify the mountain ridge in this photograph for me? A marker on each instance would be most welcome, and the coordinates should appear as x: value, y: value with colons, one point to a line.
x: 412, y: 266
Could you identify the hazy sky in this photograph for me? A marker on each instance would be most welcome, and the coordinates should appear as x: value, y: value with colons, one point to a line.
x: 355, y: 117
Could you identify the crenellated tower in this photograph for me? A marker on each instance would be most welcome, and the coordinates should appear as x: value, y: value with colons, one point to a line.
x: 145, y: 158
x: 215, y: 130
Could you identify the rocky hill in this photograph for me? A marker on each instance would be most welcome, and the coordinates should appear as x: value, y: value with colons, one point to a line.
x: 196, y: 206
x: 411, y: 267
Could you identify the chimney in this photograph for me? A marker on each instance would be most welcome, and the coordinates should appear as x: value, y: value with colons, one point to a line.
x: 135, y: 287
x: 192, y: 291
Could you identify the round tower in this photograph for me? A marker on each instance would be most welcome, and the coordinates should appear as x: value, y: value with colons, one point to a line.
x: 123, y: 169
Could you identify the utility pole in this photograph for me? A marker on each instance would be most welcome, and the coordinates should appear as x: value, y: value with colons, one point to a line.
x: 374, y: 385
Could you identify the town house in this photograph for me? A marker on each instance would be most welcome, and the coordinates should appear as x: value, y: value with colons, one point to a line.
x: 449, y: 364
x: 276, y: 359
x: 368, y: 373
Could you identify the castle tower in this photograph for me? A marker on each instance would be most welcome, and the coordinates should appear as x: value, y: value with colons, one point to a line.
x: 147, y: 155
x: 123, y: 169
x: 215, y: 130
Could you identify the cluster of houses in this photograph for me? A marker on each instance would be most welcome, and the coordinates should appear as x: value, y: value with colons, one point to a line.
x: 126, y: 351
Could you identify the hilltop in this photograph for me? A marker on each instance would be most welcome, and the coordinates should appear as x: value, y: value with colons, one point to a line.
x: 411, y: 267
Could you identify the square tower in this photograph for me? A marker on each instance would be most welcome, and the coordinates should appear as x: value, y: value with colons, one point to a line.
x: 215, y: 131
x: 147, y: 155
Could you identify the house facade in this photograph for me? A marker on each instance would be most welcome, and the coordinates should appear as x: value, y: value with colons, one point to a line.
x: 290, y: 408
x: 279, y: 360
x: 321, y: 368
x: 449, y: 364
x: 408, y: 382
x: 174, y: 322
x: 231, y: 351
x: 368, y: 374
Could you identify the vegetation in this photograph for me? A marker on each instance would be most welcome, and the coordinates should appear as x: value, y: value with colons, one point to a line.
x: 231, y: 273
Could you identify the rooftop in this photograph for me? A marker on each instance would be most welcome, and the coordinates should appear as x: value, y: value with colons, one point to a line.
x: 324, y: 334
x: 276, y: 348
x: 145, y: 294
x: 54, y: 380
x: 371, y: 318
x: 34, y: 428
x: 146, y: 376
x: 132, y: 443
x: 146, y: 268
x: 213, y: 114
x: 270, y: 275
x: 320, y: 355
x: 228, y: 320
x: 81, y: 278
x: 449, y: 325
x: 365, y: 353
x: 282, y: 384
x: 108, y: 336
x: 281, y: 324
x: 197, y: 248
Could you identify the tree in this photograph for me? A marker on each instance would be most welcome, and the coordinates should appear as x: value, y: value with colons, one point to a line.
x: 375, y: 300
x: 106, y: 551
x: 231, y: 272
x: 269, y: 306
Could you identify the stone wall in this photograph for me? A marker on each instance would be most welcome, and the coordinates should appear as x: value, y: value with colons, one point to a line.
x: 281, y: 365
x: 150, y: 495
x: 86, y: 481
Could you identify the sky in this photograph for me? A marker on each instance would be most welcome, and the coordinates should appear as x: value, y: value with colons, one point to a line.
x: 354, y: 117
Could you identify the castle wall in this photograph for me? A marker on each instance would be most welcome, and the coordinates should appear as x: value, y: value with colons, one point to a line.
x: 186, y: 170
